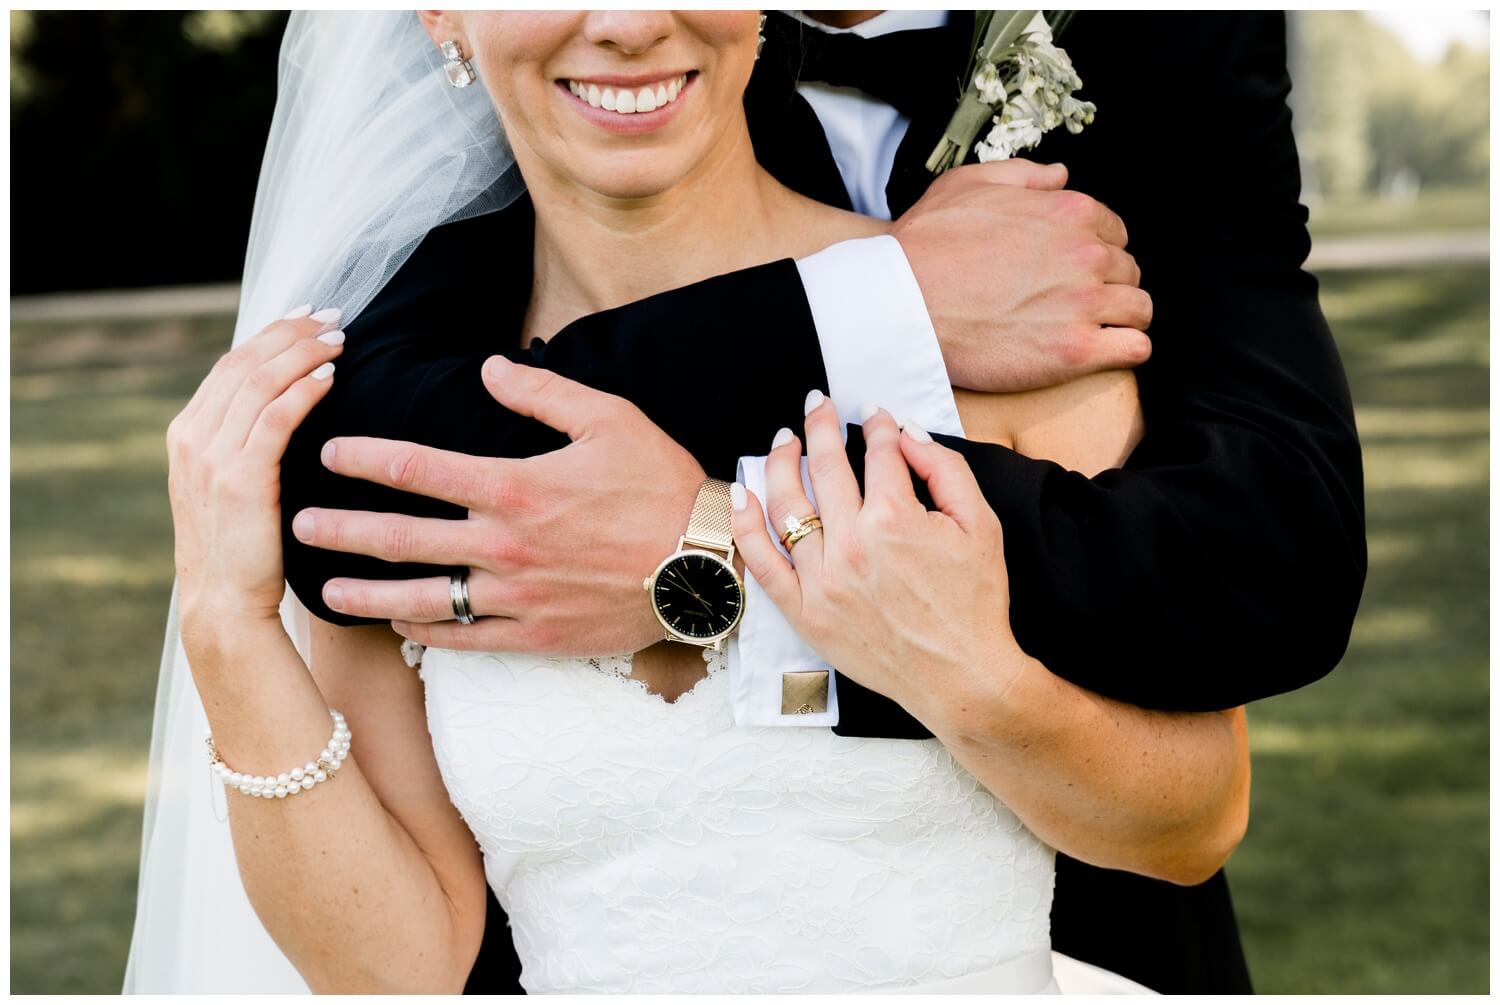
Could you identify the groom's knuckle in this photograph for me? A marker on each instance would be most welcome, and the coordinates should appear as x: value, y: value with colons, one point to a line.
x: 1073, y: 346
x: 508, y: 551
x: 1075, y: 207
x: 545, y: 387
x: 431, y: 607
x: 406, y: 469
x: 396, y: 539
x: 508, y: 495
x: 1093, y: 256
x: 539, y: 636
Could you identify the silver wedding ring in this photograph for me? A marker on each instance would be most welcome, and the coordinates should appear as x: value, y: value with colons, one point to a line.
x: 458, y: 595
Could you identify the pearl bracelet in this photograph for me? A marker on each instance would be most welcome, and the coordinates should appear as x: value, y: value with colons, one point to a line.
x: 288, y: 783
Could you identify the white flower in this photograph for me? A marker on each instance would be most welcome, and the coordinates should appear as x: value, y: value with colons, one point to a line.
x: 1007, y: 138
x: 1029, y: 89
x: 991, y: 87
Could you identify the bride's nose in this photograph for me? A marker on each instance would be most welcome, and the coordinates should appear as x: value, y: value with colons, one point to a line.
x: 631, y: 32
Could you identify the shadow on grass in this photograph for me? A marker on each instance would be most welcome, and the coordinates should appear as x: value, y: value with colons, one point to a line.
x: 1366, y: 868
x: 91, y: 574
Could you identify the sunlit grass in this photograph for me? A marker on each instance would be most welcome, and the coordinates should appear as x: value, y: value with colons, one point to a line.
x: 1366, y: 867
x: 1456, y: 208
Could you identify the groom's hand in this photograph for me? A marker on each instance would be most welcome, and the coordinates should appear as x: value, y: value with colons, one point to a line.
x: 1028, y: 285
x: 557, y: 545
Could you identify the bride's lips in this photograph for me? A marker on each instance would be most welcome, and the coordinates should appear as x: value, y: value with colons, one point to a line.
x: 674, y: 86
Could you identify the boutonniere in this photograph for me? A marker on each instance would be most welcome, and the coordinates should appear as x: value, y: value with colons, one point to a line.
x: 1020, y: 84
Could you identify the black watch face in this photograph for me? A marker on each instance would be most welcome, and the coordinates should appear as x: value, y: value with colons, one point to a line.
x: 697, y: 596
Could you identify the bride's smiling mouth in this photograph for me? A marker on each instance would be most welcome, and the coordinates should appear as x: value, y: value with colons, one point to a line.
x: 628, y: 104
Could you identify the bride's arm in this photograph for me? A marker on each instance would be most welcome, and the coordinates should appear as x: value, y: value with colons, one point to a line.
x: 912, y: 604
x: 369, y: 881
x: 1171, y: 788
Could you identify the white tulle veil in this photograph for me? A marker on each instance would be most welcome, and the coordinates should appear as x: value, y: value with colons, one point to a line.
x: 370, y: 148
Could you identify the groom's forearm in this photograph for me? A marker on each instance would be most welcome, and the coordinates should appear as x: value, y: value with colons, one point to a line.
x: 1163, y: 794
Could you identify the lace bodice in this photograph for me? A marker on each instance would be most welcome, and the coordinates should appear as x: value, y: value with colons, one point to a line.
x: 641, y: 846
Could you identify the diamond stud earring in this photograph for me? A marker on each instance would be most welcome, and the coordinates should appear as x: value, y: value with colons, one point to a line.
x: 458, y: 70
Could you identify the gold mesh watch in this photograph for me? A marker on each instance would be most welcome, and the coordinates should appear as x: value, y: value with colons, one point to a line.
x: 695, y: 592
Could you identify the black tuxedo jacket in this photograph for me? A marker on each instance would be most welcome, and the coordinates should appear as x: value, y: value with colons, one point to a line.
x: 1223, y: 564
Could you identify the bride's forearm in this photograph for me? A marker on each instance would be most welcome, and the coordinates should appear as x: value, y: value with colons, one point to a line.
x: 1163, y: 794
x: 343, y: 888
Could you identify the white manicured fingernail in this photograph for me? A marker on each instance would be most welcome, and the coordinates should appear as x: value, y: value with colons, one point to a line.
x: 783, y: 437
x: 867, y: 413
x: 916, y: 432
x: 332, y: 338
x: 327, y: 315
x: 737, y: 496
x: 297, y: 312
x: 323, y: 372
x: 814, y: 399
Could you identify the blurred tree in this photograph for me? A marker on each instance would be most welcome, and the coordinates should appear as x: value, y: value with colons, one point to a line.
x: 1333, y: 136
x: 1433, y: 125
x: 1371, y: 116
x: 136, y: 140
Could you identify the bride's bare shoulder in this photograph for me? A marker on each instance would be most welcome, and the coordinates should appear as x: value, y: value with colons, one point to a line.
x: 1087, y: 425
x: 809, y: 226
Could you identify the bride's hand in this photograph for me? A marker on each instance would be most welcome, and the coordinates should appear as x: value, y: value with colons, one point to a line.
x: 224, y: 453
x: 909, y: 602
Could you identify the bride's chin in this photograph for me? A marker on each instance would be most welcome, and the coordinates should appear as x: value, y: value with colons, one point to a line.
x: 631, y: 183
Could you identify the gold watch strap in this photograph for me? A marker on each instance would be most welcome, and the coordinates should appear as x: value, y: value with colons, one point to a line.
x: 712, y: 522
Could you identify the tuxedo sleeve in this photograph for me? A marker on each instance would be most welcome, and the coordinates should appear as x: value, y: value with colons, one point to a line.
x: 1225, y: 562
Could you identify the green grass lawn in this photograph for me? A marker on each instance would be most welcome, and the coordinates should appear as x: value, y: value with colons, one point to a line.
x: 1440, y: 209
x: 1366, y: 868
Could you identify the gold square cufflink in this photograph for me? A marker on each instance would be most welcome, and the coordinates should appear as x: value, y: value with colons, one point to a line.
x: 804, y: 691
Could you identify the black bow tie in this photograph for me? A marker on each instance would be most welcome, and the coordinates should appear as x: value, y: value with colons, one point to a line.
x: 908, y: 70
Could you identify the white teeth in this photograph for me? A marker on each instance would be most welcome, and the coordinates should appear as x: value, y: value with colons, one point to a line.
x: 646, y: 99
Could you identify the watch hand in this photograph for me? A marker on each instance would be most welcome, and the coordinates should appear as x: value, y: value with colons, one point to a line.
x: 686, y: 589
x: 707, y: 607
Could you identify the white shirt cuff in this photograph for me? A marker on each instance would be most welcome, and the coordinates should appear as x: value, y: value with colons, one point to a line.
x: 879, y: 347
x: 878, y: 343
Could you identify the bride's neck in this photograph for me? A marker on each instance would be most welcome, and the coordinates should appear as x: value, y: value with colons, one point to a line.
x: 593, y: 252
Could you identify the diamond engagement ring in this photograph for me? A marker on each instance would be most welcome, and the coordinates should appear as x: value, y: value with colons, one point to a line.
x: 795, y: 528
x: 458, y: 596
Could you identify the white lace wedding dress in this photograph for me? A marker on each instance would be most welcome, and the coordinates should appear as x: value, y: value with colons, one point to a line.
x: 642, y: 846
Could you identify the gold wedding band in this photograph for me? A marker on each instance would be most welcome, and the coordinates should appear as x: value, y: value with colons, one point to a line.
x: 798, y: 527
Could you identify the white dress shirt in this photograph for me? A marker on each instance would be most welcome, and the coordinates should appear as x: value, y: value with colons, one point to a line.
x: 878, y: 347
